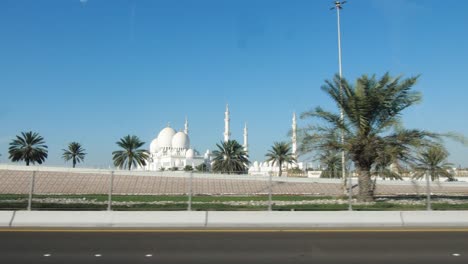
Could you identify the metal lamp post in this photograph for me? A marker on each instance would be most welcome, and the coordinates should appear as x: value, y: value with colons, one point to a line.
x: 338, y: 7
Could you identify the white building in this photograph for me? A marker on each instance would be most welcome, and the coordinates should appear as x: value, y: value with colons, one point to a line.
x: 172, y: 149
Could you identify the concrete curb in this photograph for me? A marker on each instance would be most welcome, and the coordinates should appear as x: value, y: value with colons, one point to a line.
x: 158, y: 219
x: 108, y: 219
x: 5, y: 218
x: 430, y: 218
x: 62, y: 219
x: 304, y: 219
x: 239, y: 219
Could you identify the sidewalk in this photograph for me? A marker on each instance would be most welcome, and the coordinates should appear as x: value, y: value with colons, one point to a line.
x: 231, y: 219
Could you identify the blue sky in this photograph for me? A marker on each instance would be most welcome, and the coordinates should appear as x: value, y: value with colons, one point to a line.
x: 95, y: 72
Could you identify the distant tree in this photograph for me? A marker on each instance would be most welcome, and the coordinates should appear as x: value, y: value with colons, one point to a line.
x: 174, y: 169
x: 295, y: 172
x: 202, y: 167
x: 331, y: 162
x: 280, y: 154
x: 230, y: 157
x: 75, y: 153
x: 433, y: 160
x: 188, y: 168
x: 29, y: 147
x: 132, y: 154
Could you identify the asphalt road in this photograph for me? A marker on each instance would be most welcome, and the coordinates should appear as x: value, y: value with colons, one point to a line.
x: 233, y: 247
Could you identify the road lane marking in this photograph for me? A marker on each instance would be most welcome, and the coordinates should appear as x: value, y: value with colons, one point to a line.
x: 97, y: 255
x: 47, y: 255
x: 455, y: 254
x: 148, y: 255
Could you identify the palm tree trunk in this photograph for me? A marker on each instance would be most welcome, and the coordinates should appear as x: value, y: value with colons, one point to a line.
x: 280, y: 169
x: 366, y: 193
x: 27, y: 162
x: 74, y: 162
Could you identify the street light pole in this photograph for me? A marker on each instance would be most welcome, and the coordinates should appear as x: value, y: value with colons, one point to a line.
x: 338, y: 7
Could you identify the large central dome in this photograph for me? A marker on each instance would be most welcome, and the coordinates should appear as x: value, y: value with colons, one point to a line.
x: 165, y: 137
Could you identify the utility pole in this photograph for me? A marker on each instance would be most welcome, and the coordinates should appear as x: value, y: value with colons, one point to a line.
x: 338, y: 6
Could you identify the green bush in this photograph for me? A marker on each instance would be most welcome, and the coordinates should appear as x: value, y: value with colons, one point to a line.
x: 202, y: 167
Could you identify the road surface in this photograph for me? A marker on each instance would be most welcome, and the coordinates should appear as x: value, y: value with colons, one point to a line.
x: 238, y: 247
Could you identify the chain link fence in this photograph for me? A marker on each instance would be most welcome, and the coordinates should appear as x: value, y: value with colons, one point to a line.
x: 81, y: 189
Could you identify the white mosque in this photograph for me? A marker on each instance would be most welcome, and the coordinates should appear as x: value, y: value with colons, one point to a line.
x: 172, y: 149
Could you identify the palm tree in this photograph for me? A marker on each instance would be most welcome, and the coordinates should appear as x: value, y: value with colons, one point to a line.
x: 433, y: 160
x: 388, y: 163
x: 230, y: 157
x: 280, y: 153
x: 371, y: 124
x: 331, y: 160
x: 131, y: 155
x: 29, y: 147
x: 75, y: 153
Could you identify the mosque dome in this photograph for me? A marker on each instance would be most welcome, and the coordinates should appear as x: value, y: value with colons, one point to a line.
x: 154, y: 147
x: 165, y: 137
x: 190, y: 154
x: 180, y: 141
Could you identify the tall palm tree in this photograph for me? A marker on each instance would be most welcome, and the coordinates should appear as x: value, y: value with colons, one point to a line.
x: 280, y: 153
x: 372, y: 110
x: 29, y: 147
x: 230, y: 157
x: 75, y: 153
x: 433, y: 160
x: 131, y: 155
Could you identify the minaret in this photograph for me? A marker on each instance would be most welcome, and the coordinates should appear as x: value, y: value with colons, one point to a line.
x: 227, y: 132
x: 246, y: 142
x: 186, y: 126
x: 294, y: 136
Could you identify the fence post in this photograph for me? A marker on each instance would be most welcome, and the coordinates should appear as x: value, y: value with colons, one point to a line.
x: 31, y: 190
x: 189, y: 205
x: 270, y: 181
x: 111, y: 187
x: 350, y: 192
x: 428, y: 192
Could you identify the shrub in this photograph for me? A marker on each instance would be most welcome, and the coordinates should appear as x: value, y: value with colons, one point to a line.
x: 202, y: 167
